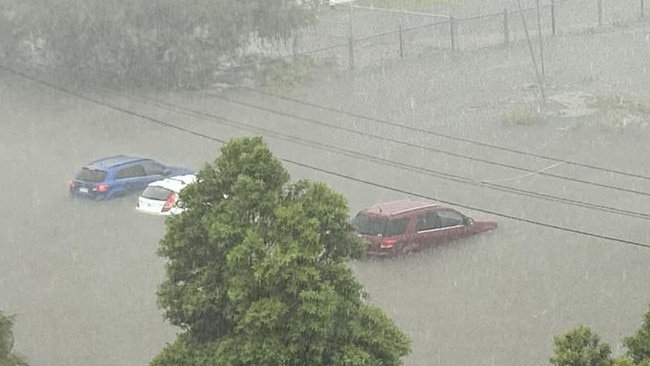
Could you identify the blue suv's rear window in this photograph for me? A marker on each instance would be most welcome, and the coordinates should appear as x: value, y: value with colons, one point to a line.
x: 91, y: 175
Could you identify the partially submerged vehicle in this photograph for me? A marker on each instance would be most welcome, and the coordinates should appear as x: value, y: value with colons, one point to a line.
x: 405, y: 226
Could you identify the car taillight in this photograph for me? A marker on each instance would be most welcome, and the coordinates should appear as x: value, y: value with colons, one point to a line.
x: 171, y: 200
x: 101, y: 188
x: 71, y: 183
x: 388, y: 243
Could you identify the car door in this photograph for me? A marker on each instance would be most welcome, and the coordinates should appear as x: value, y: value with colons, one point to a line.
x: 153, y: 170
x: 452, y: 224
x: 131, y: 178
x: 438, y: 226
x: 140, y: 178
x: 428, y: 229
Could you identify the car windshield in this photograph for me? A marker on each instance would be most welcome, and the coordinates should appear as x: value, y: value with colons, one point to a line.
x: 91, y: 175
x: 369, y: 225
x: 156, y: 193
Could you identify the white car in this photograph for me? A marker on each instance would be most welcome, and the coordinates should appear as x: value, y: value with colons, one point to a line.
x: 161, y: 197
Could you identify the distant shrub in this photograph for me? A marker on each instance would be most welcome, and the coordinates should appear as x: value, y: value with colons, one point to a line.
x: 623, y: 102
x: 283, y: 75
x: 521, y: 116
x: 148, y: 44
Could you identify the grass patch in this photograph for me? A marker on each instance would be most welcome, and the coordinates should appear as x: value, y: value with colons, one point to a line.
x: 521, y: 116
x: 619, y: 111
x: 620, y: 102
x: 282, y: 76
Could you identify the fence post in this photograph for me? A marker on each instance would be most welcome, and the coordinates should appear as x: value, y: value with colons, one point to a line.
x: 401, y: 43
x: 553, y: 16
x: 351, y: 39
x: 351, y: 52
x: 506, y: 30
x: 452, y: 33
x: 600, y: 13
x: 642, y: 10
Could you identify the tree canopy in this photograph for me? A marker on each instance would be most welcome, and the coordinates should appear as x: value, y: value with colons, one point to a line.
x: 582, y: 347
x: 257, y: 272
x: 638, y: 345
x: 7, y: 357
x: 143, y: 43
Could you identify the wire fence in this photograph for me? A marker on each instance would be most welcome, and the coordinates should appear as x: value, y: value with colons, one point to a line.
x: 357, y: 36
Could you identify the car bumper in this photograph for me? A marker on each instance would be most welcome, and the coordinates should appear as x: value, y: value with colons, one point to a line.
x: 89, y: 195
x: 381, y: 253
x: 151, y: 212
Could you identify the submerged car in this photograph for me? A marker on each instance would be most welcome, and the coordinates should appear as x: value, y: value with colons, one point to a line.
x: 119, y: 175
x: 161, y: 197
x: 405, y: 226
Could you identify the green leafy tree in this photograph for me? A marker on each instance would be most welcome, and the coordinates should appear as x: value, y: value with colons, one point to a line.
x: 639, y: 345
x: 141, y: 43
x: 580, y: 347
x: 7, y: 357
x: 626, y: 361
x: 257, y: 272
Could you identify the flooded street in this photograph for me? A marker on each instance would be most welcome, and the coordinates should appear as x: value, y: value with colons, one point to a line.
x: 82, y: 276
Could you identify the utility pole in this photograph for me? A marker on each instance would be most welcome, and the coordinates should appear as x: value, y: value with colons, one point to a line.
x: 541, y: 42
x: 350, y: 16
x: 532, y: 54
x: 351, y: 39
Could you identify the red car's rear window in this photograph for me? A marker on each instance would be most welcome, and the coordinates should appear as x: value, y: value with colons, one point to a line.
x: 369, y: 225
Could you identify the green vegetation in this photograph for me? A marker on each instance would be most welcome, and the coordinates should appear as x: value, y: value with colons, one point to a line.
x: 148, y: 44
x: 7, y: 357
x: 620, y: 102
x: 257, y: 272
x: 282, y: 76
x: 582, y: 347
x: 521, y: 116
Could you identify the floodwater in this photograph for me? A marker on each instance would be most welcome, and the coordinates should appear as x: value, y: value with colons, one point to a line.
x: 81, y: 276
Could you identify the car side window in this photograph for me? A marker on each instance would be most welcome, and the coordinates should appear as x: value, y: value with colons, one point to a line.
x: 450, y: 218
x: 396, y: 227
x: 122, y: 173
x: 428, y: 221
x: 132, y: 171
x: 153, y: 168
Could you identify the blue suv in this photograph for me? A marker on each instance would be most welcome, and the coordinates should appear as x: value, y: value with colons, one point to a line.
x: 119, y: 175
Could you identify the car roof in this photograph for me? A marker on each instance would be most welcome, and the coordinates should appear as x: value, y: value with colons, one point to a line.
x: 175, y: 183
x: 397, y: 207
x: 111, y: 161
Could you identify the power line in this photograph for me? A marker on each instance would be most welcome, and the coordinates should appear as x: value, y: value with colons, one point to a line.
x: 329, y: 172
x: 104, y: 104
x: 404, y: 166
x: 442, y: 135
x: 427, y: 148
x: 489, y: 212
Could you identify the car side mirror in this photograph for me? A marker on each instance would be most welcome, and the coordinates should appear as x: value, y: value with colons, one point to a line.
x: 469, y: 221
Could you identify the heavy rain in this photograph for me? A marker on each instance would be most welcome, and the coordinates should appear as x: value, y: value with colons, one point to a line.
x: 567, y: 179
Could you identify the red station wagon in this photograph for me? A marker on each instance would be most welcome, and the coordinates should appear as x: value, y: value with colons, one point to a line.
x: 405, y: 226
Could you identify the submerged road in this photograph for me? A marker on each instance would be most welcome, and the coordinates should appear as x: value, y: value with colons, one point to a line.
x: 82, y: 276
